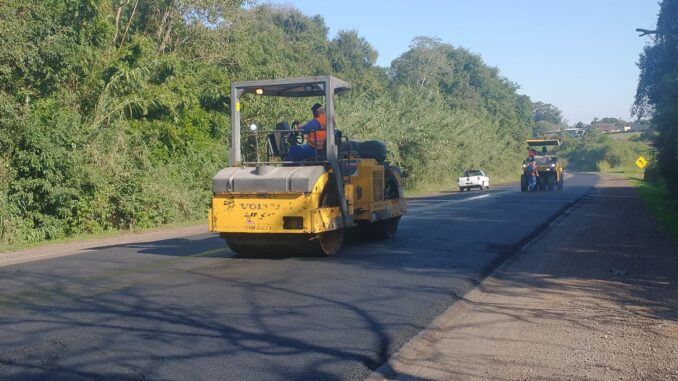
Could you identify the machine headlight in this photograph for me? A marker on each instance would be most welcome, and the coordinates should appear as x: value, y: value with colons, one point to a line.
x: 524, y: 166
x: 553, y: 165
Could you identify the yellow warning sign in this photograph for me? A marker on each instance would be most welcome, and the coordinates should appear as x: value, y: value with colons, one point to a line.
x: 641, y: 162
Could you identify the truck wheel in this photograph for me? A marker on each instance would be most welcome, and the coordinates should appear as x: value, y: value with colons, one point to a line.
x: 523, y: 183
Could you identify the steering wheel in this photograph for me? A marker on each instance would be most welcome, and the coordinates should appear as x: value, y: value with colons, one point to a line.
x: 298, y: 136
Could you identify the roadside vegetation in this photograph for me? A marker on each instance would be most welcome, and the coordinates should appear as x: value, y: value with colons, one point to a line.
x: 657, y: 94
x: 114, y: 114
x: 657, y: 97
x: 633, y: 136
x: 594, y: 151
x: 662, y: 204
x: 598, y: 152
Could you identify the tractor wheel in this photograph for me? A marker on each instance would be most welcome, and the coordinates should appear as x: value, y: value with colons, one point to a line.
x: 523, y: 183
x: 551, y: 183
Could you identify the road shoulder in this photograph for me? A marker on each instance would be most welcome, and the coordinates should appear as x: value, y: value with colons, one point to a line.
x: 56, y: 250
x: 595, y: 297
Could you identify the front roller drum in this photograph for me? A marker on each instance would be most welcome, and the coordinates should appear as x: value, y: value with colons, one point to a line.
x: 324, y: 244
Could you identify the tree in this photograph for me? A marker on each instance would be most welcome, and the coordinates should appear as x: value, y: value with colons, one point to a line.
x: 618, y: 122
x: 351, y: 53
x: 105, y: 105
x: 354, y: 59
x: 543, y: 127
x: 547, y: 112
x: 424, y: 64
x: 657, y: 93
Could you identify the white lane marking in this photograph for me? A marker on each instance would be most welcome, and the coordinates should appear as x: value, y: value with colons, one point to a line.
x: 443, y: 203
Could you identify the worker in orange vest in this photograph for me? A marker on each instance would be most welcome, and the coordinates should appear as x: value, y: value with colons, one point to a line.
x: 315, y: 131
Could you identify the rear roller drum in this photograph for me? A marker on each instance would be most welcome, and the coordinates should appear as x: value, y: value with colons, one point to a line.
x: 386, y: 229
x: 328, y: 243
x: 271, y: 245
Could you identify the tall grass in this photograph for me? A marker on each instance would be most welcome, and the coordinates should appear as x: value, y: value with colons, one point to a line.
x: 600, y: 153
x: 662, y: 205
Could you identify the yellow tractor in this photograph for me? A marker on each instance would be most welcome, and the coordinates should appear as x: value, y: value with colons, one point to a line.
x: 276, y: 206
x: 550, y: 169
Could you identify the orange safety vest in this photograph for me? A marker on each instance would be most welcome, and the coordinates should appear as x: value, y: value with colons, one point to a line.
x: 317, y: 139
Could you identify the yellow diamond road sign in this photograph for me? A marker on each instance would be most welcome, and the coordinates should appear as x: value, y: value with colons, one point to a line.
x: 641, y: 162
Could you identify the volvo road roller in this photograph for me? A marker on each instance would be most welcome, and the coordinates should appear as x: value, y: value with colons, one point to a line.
x: 549, y: 167
x: 264, y: 202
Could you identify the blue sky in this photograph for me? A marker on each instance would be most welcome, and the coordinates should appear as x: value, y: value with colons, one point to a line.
x: 576, y: 54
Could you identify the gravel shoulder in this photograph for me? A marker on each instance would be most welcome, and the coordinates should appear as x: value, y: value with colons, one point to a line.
x: 594, y: 298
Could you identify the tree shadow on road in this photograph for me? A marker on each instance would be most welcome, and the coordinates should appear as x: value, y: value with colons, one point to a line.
x: 602, y: 293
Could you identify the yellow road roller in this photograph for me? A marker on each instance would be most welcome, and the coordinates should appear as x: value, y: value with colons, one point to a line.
x: 266, y: 203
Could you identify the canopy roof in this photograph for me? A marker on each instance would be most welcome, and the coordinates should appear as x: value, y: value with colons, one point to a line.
x: 293, y: 87
x: 543, y: 142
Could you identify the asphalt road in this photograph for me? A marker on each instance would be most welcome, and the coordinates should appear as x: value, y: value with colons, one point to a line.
x: 189, y: 309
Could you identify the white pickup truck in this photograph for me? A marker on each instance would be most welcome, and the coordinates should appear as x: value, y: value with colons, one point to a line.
x: 474, y: 178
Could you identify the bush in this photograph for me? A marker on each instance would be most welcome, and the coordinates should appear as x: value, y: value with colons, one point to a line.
x: 99, y: 133
x: 601, y: 153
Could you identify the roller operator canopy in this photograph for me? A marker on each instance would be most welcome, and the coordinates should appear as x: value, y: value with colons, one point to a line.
x: 293, y: 87
x: 543, y: 142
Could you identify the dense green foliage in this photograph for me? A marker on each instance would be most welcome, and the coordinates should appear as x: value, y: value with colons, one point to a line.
x: 602, y: 152
x: 657, y: 93
x: 661, y: 203
x: 547, y: 118
x: 114, y: 113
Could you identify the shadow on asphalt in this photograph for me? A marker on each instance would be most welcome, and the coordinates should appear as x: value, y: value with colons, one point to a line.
x: 217, y: 313
x: 616, y: 257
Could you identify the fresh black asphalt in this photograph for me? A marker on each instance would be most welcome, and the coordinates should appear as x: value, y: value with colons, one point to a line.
x: 189, y: 309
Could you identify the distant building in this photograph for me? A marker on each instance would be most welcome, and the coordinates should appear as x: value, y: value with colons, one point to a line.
x: 606, y: 128
x: 552, y: 134
x: 575, y: 132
